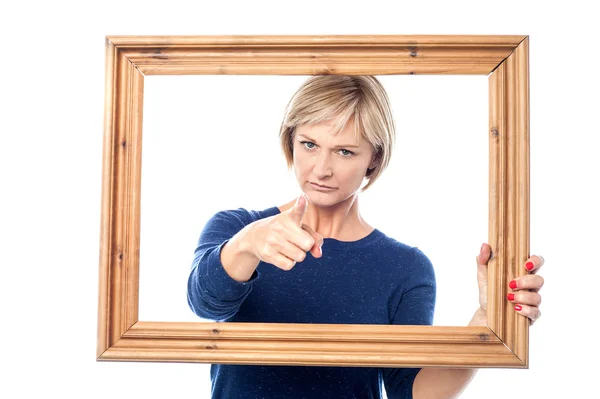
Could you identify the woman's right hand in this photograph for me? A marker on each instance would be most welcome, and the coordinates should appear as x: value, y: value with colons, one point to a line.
x: 283, y: 239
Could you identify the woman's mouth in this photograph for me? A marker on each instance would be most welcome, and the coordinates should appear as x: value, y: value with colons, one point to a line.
x: 320, y: 187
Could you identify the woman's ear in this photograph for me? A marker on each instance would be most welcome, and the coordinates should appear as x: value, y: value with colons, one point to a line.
x: 371, y: 169
x: 375, y: 160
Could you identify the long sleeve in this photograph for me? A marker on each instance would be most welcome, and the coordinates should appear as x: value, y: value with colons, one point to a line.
x: 211, y: 292
x: 416, y: 307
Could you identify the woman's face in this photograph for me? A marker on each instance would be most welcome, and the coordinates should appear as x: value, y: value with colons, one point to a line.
x: 337, y: 161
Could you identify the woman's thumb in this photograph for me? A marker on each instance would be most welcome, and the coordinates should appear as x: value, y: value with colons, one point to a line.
x: 299, y: 209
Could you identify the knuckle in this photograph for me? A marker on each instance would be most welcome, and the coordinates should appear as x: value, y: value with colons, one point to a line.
x: 532, y: 313
x: 267, y: 250
x: 278, y: 226
x: 525, y: 310
x: 283, y: 264
x: 541, y: 260
x: 540, y: 281
x: 309, y: 243
x: 517, y: 297
x: 271, y: 239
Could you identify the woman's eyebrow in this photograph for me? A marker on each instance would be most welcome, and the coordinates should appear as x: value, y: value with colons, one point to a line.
x: 337, y: 146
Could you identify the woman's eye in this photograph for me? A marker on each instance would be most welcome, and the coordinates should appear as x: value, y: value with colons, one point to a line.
x: 309, y: 145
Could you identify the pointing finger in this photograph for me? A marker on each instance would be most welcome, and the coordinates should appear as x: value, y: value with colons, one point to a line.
x: 316, y: 249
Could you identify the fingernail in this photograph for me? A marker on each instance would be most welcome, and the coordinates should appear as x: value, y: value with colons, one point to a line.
x: 482, y: 245
x: 511, y: 297
x: 321, y: 250
x: 513, y: 284
x: 529, y: 265
x: 518, y: 307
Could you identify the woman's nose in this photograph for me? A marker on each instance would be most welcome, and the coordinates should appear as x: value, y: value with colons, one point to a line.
x: 323, y: 166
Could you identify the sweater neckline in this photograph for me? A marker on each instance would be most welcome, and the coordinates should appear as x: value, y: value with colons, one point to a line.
x: 338, y: 245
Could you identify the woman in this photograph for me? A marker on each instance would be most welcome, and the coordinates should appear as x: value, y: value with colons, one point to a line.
x: 316, y: 260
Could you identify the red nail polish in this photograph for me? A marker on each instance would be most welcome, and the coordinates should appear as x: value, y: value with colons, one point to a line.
x: 511, y: 297
x: 518, y: 307
x: 529, y: 265
x: 513, y: 284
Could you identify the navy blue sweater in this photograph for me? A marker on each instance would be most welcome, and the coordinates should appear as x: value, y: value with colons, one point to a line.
x: 375, y: 280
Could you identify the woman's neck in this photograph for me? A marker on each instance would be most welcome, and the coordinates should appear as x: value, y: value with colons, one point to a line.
x: 341, y: 221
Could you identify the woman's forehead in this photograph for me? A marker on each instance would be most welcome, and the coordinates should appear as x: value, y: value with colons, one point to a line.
x: 344, y: 138
x: 329, y: 129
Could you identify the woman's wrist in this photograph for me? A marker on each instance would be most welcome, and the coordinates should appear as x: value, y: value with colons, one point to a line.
x: 479, y: 318
x: 237, y: 257
x: 243, y: 241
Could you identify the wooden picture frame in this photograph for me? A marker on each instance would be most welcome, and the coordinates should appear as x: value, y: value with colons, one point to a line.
x: 122, y: 337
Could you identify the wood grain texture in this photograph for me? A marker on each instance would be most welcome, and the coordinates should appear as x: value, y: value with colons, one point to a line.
x: 122, y: 337
x: 313, y: 344
x: 509, y: 195
x: 105, y: 288
x: 120, y: 214
x: 309, y: 55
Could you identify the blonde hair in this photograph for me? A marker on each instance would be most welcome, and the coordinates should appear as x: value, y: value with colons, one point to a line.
x: 327, y: 97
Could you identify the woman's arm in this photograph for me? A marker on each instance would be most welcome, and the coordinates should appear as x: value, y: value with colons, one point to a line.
x: 444, y: 383
x: 414, y: 306
x: 236, y: 258
x: 438, y: 383
x: 218, y: 284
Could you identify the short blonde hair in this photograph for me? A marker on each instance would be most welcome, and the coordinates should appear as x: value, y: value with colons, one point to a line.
x: 326, y: 97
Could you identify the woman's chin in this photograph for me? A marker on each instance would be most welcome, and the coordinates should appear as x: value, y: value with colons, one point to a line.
x: 321, y: 199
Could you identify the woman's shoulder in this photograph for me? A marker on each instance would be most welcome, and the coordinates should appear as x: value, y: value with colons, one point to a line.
x: 231, y: 220
x: 244, y: 215
x: 396, y: 245
x: 412, y: 254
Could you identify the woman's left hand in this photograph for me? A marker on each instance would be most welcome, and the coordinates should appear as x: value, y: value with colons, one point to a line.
x: 523, y: 291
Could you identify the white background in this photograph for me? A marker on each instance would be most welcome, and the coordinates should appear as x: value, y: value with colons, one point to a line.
x: 204, y: 132
x: 52, y: 93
